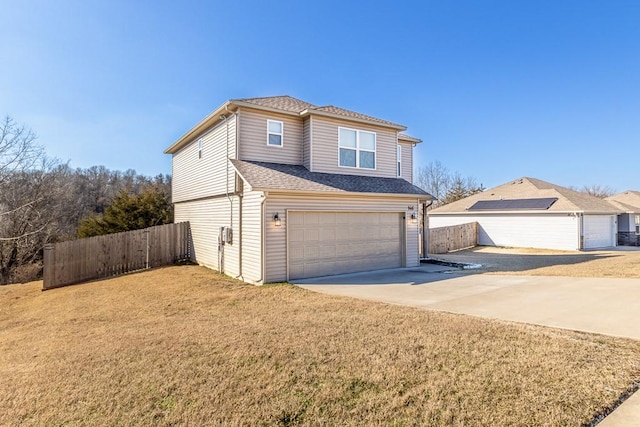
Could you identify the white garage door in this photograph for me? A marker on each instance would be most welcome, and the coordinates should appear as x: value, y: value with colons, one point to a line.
x: 599, y: 231
x: 324, y: 243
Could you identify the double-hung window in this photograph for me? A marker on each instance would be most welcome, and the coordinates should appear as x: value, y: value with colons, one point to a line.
x: 357, y: 148
x: 399, y: 154
x: 637, y: 224
x: 274, y: 133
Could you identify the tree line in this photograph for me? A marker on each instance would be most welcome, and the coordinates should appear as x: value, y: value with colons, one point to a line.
x: 43, y: 200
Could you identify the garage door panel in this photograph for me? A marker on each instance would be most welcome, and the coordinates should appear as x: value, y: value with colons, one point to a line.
x: 327, y: 234
x: 327, y: 251
x: 296, y: 234
x: 343, y: 242
x: 327, y: 218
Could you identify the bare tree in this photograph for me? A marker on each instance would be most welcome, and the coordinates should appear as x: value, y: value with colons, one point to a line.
x: 30, y: 213
x: 597, y: 190
x: 435, y: 179
x: 444, y: 185
x: 18, y: 150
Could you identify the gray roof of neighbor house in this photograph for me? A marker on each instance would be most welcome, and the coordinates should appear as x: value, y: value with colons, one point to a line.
x: 276, y: 176
x: 284, y: 104
x: 629, y: 201
x: 531, y: 188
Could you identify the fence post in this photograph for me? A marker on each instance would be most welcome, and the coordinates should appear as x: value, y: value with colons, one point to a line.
x: 49, y: 269
x: 146, y: 232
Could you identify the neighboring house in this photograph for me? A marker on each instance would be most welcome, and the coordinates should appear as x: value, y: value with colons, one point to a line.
x: 532, y: 213
x: 629, y: 220
x: 277, y: 188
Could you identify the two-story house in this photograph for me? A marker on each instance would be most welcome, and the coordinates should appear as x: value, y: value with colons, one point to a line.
x: 276, y: 189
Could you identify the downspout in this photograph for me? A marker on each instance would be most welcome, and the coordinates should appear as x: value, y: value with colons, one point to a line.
x: 240, y: 198
x: 425, y: 229
x: 263, y: 222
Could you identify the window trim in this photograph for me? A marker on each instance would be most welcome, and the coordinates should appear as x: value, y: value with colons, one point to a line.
x: 200, y: 144
x: 357, y: 149
x: 280, y: 134
x: 637, y: 223
x: 399, y: 160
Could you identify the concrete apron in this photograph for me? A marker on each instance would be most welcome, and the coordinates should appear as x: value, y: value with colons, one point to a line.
x: 598, y: 305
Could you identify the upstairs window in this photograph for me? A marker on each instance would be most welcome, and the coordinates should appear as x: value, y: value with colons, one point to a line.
x: 200, y: 148
x: 357, y: 148
x: 274, y: 133
x: 399, y: 154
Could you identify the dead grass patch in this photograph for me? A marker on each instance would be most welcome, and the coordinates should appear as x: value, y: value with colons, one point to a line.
x: 186, y: 346
x: 545, y: 262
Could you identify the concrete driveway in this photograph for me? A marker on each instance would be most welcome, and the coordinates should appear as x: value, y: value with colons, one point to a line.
x: 601, y: 305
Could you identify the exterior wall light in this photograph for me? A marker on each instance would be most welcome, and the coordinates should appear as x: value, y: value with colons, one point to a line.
x: 413, y: 219
x: 276, y: 220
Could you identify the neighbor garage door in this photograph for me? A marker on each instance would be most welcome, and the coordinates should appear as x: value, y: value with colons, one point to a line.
x: 599, y: 231
x: 324, y: 243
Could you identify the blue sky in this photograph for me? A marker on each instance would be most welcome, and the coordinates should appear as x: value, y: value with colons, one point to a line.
x: 495, y: 89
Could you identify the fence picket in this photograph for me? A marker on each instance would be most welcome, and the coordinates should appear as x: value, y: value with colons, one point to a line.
x: 76, y: 261
x: 451, y: 238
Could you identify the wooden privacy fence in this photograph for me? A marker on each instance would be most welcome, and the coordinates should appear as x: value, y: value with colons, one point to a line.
x: 98, y: 257
x: 454, y: 237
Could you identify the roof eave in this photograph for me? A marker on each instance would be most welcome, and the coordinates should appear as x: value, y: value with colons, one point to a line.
x: 308, y: 112
x: 408, y: 138
x: 262, y: 108
x: 205, y: 123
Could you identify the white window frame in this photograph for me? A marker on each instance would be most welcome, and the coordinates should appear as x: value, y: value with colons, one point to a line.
x: 280, y: 134
x: 399, y: 165
x: 200, y: 148
x: 637, y: 221
x: 357, y: 149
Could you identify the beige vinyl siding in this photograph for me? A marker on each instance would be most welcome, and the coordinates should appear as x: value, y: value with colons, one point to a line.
x: 195, y: 177
x: 252, y: 133
x: 407, y: 161
x: 325, y: 148
x: 206, y: 217
x: 276, y: 239
x: 252, y: 236
x: 545, y: 231
x: 306, y: 143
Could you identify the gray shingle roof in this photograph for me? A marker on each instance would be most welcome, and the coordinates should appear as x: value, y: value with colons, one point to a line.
x: 284, y: 103
x: 530, y: 188
x: 353, y: 115
x: 276, y: 176
x: 293, y: 105
x: 629, y: 199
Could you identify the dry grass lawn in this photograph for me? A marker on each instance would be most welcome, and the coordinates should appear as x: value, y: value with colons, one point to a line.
x: 543, y: 262
x: 186, y: 346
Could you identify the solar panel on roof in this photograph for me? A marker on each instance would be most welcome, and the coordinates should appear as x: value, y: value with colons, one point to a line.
x: 513, y: 204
